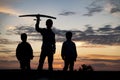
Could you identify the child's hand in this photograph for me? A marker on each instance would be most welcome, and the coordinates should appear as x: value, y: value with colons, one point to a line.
x: 63, y: 58
x: 38, y: 18
x: 31, y: 57
x: 75, y: 60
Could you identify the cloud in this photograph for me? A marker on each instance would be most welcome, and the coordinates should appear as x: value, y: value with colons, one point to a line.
x: 97, y: 6
x: 13, y: 64
x: 115, y: 6
x: 29, y: 30
x: 114, y: 10
x: 9, y: 11
x: 117, y: 28
x: 105, y: 28
x: 105, y: 36
x: 17, y: 30
x: 105, y: 67
x: 107, y: 62
x: 94, y: 7
x: 101, y: 36
x: 100, y: 57
x: 8, y: 61
x: 5, y: 50
x: 93, y: 10
x: 21, y: 29
x: 5, y: 41
x: 67, y: 13
x: 4, y: 45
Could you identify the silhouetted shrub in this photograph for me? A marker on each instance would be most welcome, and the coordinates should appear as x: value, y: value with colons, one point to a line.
x: 85, y: 67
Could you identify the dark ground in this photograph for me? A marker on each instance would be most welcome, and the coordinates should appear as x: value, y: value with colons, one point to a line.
x: 58, y: 75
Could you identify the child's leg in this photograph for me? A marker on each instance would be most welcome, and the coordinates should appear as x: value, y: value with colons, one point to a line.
x: 71, y: 65
x: 66, y: 63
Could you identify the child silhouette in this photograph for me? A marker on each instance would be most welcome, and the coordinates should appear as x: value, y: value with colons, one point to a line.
x: 69, y: 53
x: 24, y: 53
x: 48, y: 46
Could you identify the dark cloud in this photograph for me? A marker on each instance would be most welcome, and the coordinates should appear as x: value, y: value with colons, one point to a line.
x: 67, y: 13
x: 105, y: 28
x: 4, y: 50
x: 30, y: 31
x: 99, y: 58
x: 96, y: 61
x: 8, y: 61
x: 106, y: 67
x: 5, y: 41
x: 104, y: 35
x: 114, y: 10
x: 106, y: 64
x: 92, y: 10
x: 26, y: 29
x: 116, y: 6
x: 105, y: 60
x: 94, y: 7
x: 3, y: 45
x: 99, y: 64
x: 22, y: 29
x: 4, y: 14
x: 117, y: 28
x: 102, y: 39
x: 98, y: 6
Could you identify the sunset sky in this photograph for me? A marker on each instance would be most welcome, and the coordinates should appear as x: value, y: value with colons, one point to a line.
x: 71, y: 15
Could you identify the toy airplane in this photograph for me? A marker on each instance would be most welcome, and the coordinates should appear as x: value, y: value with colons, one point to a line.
x: 37, y: 15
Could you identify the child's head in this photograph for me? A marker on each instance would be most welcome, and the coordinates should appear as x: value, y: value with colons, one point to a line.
x: 49, y: 23
x: 24, y: 37
x: 69, y: 35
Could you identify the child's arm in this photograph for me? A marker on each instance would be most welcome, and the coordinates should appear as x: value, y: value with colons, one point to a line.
x: 75, y: 51
x: 37, y: 25
x: 63, y: 52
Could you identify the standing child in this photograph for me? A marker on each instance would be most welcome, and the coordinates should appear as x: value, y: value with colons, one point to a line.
x: 24, y: 53
x: 69, y: 53
x: 48, y: 46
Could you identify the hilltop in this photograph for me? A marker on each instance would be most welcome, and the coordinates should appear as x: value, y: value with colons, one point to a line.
x: 58, y: 75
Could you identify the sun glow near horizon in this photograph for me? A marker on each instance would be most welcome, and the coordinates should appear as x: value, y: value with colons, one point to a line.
x: 86, y: 55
